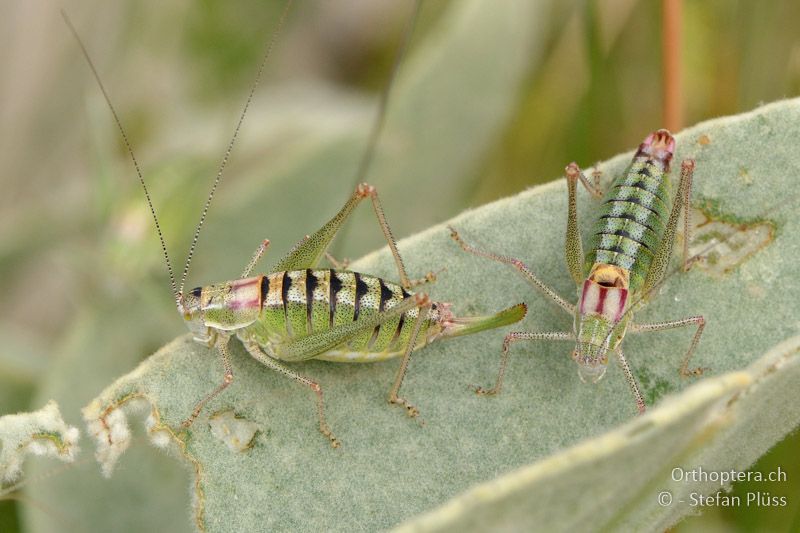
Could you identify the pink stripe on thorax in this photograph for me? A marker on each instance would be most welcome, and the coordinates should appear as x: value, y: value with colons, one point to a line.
x: 241, y: 283
x: 243, y: 304
x: 606, y: 301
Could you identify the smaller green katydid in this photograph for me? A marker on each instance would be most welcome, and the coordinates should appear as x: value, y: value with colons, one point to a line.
x: 630, y: 250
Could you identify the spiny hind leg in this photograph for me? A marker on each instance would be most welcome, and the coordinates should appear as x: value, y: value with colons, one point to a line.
x: 308, y: 252
x: 430, y: 277
x: 222, y: 348
x: 423, y: 307
x: 626, y: 370
x: 311, y: 248
x: 698, y: 321
x: 516, y: 263
x: 573, y: 247
x: 258, y: 354
x: 255, y: 259
x: 370, y: 191
x: 660, y: 263
x: 512, y: 337
x: 687, y: 174
x: 309, y: 346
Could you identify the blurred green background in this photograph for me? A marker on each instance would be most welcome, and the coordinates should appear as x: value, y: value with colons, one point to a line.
x: 85, y: 295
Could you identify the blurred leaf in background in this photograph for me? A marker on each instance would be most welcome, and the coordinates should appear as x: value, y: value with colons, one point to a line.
x: 470, y: 121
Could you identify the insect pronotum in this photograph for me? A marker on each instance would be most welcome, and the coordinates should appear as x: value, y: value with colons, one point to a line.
x: 299, y: 311
x: 629, y: 253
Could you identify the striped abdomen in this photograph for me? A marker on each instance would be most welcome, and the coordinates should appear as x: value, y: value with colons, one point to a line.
x: 299, y: 302
x: 635, y: 212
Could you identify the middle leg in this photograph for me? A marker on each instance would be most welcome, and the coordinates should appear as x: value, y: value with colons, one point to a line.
x: 423, y: 306
x: 258, y: 354
x: 698, y: 321
x: 515, y: 336
x: 256, y: 257
x: 626, y: 370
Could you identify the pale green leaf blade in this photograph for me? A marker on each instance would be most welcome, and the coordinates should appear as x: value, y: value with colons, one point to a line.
x: 389, y: 469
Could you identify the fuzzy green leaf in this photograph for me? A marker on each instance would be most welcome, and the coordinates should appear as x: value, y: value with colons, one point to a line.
x: 41, y: 432
x: 390, y: 469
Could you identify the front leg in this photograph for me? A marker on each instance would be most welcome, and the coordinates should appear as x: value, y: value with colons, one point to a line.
x: 222, y: 348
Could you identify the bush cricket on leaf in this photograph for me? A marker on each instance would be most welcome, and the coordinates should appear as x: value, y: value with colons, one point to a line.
x: 628, y: 257
x: 299, y: 311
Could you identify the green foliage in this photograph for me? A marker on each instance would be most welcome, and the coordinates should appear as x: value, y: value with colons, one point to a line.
x: 586, y: 472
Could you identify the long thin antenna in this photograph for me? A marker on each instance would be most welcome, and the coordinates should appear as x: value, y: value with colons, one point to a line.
x: 227, y: 155
x: 175, y: 291
x: 383, y: 105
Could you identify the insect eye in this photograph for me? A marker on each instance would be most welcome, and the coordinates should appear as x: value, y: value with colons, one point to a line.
x: 197, y: 291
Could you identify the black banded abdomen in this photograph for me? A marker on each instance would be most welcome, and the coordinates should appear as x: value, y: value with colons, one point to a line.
x: 304, y: 301
x: 632, y: 220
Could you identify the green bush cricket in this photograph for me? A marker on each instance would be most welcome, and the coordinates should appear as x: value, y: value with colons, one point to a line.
x: 299, y: 311
x: 628, y: 257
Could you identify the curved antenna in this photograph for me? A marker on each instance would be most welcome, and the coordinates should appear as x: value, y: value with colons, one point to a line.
x: 383, y: 104
x: 124, y: 135
x: 228, y: 151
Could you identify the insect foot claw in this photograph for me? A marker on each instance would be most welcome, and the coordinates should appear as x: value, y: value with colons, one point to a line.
x: 480, y: 391
x: 455, y: 236
x: 693, y: 372
x: 328, y: 433
x: 365, y: 189
x: 189, y: 421
x: 573, y: 171
x: 430, y: 277
x: 697, y: 259
x: 422, y: 299
x: 411, y: 410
